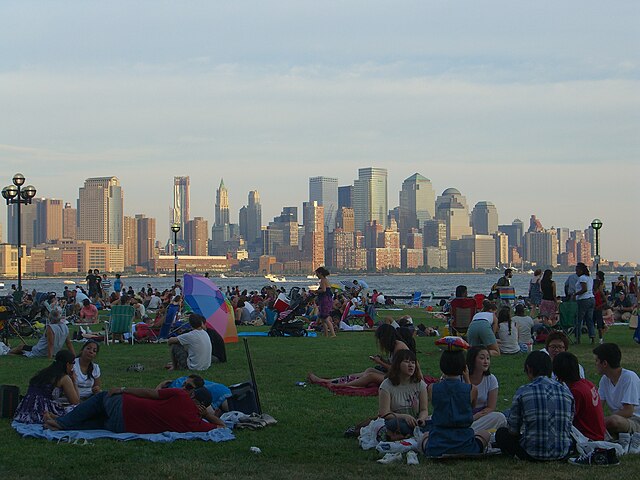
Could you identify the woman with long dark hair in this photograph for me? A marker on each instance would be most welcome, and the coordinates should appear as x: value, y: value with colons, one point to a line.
x: 549, y: 302
x: 49, y: 390
x: 87, y: 373
x: 325, y: 302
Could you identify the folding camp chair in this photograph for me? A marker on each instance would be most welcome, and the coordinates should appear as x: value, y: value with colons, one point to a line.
x: 462, y: 311
x: 568, y: 318
x: 416, y: 299
x: 120, y: 322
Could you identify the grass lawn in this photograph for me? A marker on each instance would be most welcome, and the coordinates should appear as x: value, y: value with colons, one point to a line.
x: 306, y: 443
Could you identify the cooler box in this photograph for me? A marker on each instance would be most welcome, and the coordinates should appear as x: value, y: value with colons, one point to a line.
x: 282, y: 303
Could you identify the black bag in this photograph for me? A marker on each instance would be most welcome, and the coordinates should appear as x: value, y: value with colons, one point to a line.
x: 243, y: 398
x: 9, y: 398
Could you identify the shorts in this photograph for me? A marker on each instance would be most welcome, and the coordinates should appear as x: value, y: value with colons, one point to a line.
x: 179, y: 357
x: 481, y: 333
x: 634, y: 424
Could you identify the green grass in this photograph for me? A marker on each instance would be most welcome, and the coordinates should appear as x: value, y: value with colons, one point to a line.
x: 306, y: 443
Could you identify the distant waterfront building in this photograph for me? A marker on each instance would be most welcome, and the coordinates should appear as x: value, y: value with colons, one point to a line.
x: 370, y: 197
x: 222, y: 205
x: 100, y: 211
x: 473, y: 252
x: 345, y: 194
x: 29, y: 215
x: 562, y: 234
x: 435, y: 233
x: 484, y: 218
x: 69, y: 222
x: 181, y: 210
x: 130, y: 242
x: 346, y: 219
x: 251, y: 221
x: 324, y: 190
x: 452, y: 208
x: 49, y: 220
x: 313, y: 247
x: 538, y: 248
x: 436, y: 257
x: 502, y: 248
x: 197, y: 237
x: 417, y: 204
x: 146, y: 229
x: 583, y: 249
x: 535, y: 225
x: 515, y: 231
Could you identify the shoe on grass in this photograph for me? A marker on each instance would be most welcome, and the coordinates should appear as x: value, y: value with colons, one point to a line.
x: 412, y: 458
x: 400, y: 446
x: 599, y: 457
x: 624, y: 439
x: 390, y: 458
x: 634, y: 444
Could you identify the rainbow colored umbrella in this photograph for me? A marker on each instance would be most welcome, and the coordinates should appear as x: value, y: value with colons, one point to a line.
x: 205, y: 298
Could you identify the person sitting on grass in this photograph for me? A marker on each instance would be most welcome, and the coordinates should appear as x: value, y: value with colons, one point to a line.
x: 620, y: 390
x: 485, y: 416
x: 453, y: 401
x: 556, y: 343
x: 191, y: 350
x: 390, y: 341
x: 139, y: 410
x: 50, y: 390
x: 483, y: 327
x: 219, y: 394
x: 88, y: 312
x: 507, y: 333
x: 403, y: 399
x: 589, y: 416
x: 87, y: 373
x: 55, y: 337
x: 541, y: 415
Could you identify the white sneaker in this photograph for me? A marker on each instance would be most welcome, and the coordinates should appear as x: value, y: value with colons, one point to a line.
x: 412, y: 458
x: 624, y: 439
x: 400, y: 446
x: 634, y: 444
x: 390, y: 458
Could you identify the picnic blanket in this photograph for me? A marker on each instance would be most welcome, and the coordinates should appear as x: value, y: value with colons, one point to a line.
x: 37, y: 431
x: 266, y: 334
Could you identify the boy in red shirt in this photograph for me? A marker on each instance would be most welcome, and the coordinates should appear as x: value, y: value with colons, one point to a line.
x: 589, y: 416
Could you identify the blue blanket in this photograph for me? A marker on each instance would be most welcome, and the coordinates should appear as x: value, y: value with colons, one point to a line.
x: 266, y: 334
x: 37, y: 431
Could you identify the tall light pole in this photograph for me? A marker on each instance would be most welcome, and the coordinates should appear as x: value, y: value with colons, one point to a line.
x: 16, y: 195
x: 175, y: 228
x: 596, y: 224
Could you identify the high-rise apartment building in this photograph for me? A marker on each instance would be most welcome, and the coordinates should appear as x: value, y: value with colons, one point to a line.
x: 417, y: 204
x: 197, y: 236
x: 146, y: 230
x: 324, y: 190
x: 452, y: 207
x: 181, y: 211
x: 313, y: 219
x: 540, y: 248
x: 562, y: 234
x: 484, y: 218
x: 49, y: 220
x: 370, y: 197
x: 100, y: 211
x: 473, y: 252
x: 130, y: 243
x: 346, y: 219
x: 69, y: 222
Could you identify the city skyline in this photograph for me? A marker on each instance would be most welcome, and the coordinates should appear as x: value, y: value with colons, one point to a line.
x: 530, y: 107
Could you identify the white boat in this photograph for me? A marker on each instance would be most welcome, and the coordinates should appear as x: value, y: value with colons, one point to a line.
x: 312, y: 277
x: 1, y: 286
x: 69, y: 282
x: 275, y: 279
x: 222, y: 275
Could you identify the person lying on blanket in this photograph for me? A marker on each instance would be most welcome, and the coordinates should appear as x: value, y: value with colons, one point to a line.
x: 219, y: 394
x: 139, y: 410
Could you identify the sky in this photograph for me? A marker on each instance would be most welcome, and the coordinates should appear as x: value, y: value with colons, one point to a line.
x: 533, y: 106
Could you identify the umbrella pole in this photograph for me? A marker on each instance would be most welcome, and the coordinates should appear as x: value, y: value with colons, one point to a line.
x: 253, y: 375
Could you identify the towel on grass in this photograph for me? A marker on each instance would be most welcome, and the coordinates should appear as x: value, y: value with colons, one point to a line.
x: 266, y: 334
x: 37, y: 431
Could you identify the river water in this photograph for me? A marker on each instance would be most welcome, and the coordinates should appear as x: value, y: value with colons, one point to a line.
x: 394, y: 285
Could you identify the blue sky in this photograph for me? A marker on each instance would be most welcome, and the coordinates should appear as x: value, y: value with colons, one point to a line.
x: 531, y: 105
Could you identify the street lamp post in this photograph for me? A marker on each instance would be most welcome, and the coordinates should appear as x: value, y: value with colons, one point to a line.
x: 175, y: 228
x: 17, y: 195
x: 596, y: 224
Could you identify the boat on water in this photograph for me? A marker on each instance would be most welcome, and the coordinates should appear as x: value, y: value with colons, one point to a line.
x: 69, y: 282
x: 1, y: 286
x: 275, y: 279
x: 312, y: 277
x: 222, y: 275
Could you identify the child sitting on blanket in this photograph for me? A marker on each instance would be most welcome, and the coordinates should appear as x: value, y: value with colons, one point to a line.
x: 453, y: 400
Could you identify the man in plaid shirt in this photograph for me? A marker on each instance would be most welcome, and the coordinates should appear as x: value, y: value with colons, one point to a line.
x: 539, y: 423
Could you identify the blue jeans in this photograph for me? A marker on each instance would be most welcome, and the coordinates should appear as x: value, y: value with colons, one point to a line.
x: 99, y: 412
x: 585, y: 316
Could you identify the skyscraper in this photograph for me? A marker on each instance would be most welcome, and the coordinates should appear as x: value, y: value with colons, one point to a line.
x: 254, y: 218
x: 146, y: 229
x: 28, y: 220
x: 181, y: 212
x: 370, y: 197
x: 313, y: 218
x: 197, y: 236
x: 49, y: 220
x: 484, y: 218
x: 324, y: 190
x: 100, y: 210
x: 130, y: 242
x: 452, y: 207
x: 69, y: 222
x: 417, y: 204
x: 344, y: 196
x: 222, y: 205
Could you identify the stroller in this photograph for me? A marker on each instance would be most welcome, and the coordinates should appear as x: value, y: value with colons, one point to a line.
x: 286, y: 324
